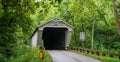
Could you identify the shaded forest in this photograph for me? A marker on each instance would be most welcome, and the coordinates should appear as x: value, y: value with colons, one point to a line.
x: 99, y: 19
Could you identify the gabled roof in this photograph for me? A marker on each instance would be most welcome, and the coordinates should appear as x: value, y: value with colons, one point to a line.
x: 53, y: 19
x: 56, y: 19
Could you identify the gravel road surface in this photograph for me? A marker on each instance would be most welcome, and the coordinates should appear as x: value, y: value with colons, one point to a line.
x: 66, y: 56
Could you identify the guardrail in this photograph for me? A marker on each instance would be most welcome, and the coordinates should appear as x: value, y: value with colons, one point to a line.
x: 97, y: 52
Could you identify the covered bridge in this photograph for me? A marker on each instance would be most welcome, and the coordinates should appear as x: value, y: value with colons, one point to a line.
x: 54, y: 34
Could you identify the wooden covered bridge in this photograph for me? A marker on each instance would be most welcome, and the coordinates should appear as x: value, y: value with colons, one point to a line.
x: 54, y: 34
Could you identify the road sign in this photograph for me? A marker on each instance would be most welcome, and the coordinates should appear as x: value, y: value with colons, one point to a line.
x: 41, y: 55
x: 82, y: 36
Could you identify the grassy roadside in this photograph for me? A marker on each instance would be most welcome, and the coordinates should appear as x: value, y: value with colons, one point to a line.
x: 26, y: 53
x: 100, y: 57
x: 105, y: 58
x: 47, y: 57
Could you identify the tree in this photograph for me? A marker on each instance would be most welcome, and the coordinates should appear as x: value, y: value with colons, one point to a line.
x: 16, y: 24
x: 116, y: 15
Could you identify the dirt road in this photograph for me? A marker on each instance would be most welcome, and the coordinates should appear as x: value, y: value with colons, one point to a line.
x: 66, y: 56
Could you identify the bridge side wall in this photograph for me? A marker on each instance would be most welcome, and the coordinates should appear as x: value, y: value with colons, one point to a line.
x: 34, y: 39
x: 40, y: 41
x: 68, y: 38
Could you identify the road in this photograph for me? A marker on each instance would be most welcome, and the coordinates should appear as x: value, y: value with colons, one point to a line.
x: 66, y: 56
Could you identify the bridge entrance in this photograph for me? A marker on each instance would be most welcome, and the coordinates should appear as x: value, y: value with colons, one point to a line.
x: 54, y: 38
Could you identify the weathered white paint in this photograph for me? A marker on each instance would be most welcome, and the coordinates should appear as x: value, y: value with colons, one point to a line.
x: 34, y: 39
x: 68, y: 38
x: 39, y: 44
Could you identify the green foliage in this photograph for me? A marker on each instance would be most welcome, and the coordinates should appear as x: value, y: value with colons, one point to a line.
x: 1, y: 11
x: 106, y: 59
x: 16, y: 25
x: 2, y: 58
x: 25, y: 53
x: 84, y: 13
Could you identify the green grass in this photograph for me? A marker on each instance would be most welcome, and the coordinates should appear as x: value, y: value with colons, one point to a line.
x: 47, y: 57
x: 103, y: 58
x: 28, y: 54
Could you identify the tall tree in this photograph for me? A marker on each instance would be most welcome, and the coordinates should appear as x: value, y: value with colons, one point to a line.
x: 116, y: 15
x: 16, y: 24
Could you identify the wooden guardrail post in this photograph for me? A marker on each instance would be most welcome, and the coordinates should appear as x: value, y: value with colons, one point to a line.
x: 103, y: 53
x: 98, y: 53
x: 111, y: 55
x: 87, y: 51
x: 92, y: 51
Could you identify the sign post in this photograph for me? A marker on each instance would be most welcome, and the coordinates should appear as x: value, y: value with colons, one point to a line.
x: 82, y: 38
x: 41, y: 55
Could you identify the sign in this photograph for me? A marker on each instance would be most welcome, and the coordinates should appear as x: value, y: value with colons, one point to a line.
x: 82, y: 36
x: 56, y: 23
x: 41, y: 55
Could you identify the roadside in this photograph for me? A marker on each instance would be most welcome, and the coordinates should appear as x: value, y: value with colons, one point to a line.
x: 100, y: 57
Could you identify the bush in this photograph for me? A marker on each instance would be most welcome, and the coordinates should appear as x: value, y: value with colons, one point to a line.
x: 2, y: 58
x: 25, y: 53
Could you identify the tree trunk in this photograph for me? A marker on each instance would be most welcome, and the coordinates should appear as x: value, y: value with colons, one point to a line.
x: 92, y: 40
x: 116, y: 16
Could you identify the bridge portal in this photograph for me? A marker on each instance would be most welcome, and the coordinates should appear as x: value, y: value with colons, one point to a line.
x: 53, y: 35
x: 54, y: 38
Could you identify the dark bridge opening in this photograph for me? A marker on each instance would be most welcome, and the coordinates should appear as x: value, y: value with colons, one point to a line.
x: 54, y: 38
